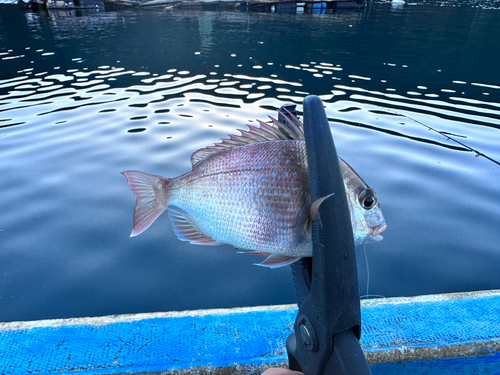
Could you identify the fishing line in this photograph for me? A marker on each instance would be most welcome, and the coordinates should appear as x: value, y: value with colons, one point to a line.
x: 367, y: 271
x: 367, y: 295
x: 444, y: 134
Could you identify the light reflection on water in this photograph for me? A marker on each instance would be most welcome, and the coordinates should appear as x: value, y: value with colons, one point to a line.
x: 84, y: 98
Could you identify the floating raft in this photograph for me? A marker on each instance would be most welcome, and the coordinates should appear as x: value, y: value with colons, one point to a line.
x: 267, y: 5
x: 435, y: 334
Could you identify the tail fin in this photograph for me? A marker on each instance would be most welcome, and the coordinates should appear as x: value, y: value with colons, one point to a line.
x: 151, y: 201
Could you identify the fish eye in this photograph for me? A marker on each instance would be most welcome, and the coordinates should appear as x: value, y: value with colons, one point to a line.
x: 367, y: 199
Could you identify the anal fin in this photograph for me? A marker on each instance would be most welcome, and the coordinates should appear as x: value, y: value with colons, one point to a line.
x: 275, y: 261
x: 186, y: 229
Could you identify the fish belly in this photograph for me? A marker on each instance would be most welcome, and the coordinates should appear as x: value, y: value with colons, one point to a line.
x: 254, y: 197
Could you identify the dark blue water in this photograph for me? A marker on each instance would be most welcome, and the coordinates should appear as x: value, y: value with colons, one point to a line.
x: 86, y: 96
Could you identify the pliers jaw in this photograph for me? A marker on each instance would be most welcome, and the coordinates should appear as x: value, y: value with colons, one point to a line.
x: 328, y: 325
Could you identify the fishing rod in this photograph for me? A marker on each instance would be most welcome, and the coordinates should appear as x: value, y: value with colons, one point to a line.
x: 444, y: 134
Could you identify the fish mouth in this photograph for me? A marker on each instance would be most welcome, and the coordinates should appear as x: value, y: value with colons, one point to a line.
x: 375, y: 232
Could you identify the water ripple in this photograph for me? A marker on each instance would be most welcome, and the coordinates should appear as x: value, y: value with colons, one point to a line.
x: 84, y: 98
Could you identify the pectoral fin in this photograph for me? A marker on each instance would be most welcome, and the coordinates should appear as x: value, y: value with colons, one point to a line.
x: 185, y: 228
x: 313, y: 211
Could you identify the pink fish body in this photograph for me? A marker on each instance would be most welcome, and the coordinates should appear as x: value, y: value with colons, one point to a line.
x: 252, y: 192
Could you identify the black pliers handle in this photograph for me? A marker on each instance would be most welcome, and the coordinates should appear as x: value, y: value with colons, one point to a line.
x: 328, y: 324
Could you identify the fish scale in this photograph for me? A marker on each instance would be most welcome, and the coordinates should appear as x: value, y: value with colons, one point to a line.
x: 251, y: 191
x: 239, y: 198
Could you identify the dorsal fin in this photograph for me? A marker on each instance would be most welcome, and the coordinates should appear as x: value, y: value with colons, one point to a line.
x: 292, y: 129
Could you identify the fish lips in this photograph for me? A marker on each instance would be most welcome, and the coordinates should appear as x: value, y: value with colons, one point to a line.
x: 375, y: 233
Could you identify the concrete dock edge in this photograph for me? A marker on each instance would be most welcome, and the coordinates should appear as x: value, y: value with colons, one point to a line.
x: 455, y: 333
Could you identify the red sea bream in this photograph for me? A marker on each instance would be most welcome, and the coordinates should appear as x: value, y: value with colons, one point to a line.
x: 251, y: 191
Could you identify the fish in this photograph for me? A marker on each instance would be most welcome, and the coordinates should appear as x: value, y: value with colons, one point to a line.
x: 251, y: 191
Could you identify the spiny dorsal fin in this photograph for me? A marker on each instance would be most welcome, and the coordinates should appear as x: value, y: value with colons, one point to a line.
x: 292, y: 129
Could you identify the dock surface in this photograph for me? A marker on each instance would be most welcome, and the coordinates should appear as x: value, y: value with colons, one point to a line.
x: 436, y: 334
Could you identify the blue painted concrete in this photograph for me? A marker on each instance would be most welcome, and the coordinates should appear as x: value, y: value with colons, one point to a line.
x: 148, y: 345
x: 398, y: 330
x: 422, y: 321
x: 485, y: 365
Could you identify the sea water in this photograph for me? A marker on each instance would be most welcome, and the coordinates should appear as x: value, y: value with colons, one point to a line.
x: 85, y: 95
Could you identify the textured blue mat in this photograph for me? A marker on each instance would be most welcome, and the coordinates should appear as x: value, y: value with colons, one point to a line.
x: 460, y: 331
